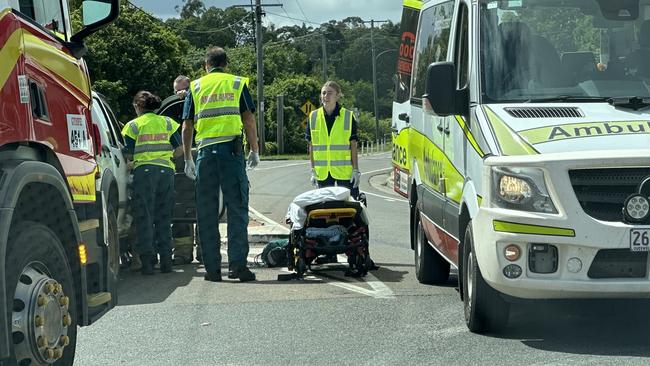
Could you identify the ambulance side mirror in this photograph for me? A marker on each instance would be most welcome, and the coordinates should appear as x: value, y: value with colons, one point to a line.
x: 441, y: 95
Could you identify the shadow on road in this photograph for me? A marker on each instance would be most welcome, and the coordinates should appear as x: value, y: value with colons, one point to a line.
x: 604, y: 328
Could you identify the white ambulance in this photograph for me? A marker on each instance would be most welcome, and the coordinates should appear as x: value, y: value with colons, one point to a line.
x: 529, y: 149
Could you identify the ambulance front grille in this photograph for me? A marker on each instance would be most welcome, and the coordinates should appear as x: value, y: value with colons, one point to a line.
x: 545, y: 112
x: 618, y: 263
x: 602, y: 192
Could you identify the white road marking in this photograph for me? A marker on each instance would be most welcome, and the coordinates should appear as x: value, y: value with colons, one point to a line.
x: 377, y: 170
x: 270, y: 222
x: 283, y: 166
x: 391, y: 199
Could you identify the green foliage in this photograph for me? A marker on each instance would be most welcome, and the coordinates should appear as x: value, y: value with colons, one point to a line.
x: 140, y: 51
x: 297, y: 90
x: 137, y: 52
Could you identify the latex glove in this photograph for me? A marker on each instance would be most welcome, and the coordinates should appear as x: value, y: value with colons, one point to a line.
x: 190, y: 169
x: 253, y: 160
x: 356, y: 178
x: 313, y: 179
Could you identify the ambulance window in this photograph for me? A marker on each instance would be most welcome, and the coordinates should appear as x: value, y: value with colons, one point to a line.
x: 462, y: 47
x: 431, y: 43
x: 47, y: 13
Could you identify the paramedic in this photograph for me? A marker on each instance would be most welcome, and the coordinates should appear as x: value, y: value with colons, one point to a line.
x: 219, y: 107
x: 150, y: 142
x: 332, y: 136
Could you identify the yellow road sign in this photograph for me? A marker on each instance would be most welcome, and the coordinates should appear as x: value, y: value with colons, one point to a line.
x: 307, y: 108
x: 303, y: 124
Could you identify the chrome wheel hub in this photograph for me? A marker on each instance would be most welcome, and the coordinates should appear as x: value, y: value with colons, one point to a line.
x: 40, y: 317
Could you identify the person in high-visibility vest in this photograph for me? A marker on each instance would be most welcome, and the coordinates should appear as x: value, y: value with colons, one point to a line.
x: 150, y: 143
x: 332, y: 136
x: 220, y: 108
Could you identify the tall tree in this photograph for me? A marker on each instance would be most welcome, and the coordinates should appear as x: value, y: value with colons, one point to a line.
x: 123, y: 59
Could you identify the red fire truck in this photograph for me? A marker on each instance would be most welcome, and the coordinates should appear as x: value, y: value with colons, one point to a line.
x: 58, y: 253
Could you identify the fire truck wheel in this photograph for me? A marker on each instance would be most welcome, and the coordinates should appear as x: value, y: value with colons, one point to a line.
x: 41, y: 301
x: 485, y: 310
x: 430, y: 267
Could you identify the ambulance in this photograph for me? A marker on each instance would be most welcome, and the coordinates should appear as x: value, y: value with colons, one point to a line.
x: 529, y: 151
x: 401, y: 106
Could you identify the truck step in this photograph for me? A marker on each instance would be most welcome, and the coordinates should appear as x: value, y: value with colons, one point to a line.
x: 99, y: 298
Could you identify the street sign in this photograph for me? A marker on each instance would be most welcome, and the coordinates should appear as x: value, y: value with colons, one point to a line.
x: 303, y: 124
x: 307, y: 108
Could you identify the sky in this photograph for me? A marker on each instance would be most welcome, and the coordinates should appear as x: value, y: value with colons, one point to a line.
x: 316, y: 11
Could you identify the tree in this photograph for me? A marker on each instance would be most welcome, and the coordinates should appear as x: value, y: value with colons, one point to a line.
x: 123, y: 59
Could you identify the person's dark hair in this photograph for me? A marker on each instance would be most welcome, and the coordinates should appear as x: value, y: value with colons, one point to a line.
x: 146, y: 101
x: 216, y: 57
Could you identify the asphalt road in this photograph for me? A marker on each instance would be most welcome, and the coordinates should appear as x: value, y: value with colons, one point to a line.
x: 386, y: 318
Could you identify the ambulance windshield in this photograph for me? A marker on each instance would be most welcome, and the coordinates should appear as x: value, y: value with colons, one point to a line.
x: 536, y: 49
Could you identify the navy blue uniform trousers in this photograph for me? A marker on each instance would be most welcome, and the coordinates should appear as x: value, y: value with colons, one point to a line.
x: 153, y: 188
x: 222, y: 166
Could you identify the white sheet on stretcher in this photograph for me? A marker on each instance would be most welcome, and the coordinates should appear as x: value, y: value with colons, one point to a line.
x: 296, y: 212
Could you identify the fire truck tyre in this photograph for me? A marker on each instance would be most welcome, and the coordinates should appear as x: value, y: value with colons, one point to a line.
x: 41, y: 302
x: 484, y: 308
x: 430, y: 267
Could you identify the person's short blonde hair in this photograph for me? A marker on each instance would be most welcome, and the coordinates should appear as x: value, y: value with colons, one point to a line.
x: 334, y: 85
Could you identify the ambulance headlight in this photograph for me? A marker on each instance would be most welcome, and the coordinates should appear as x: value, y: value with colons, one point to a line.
x: 520, y: 189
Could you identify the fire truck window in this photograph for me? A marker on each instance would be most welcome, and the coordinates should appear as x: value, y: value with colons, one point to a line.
x: 48, y: 13
x: 39, y: 104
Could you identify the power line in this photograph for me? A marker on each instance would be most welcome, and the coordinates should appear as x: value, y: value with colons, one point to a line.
x: 303, y: 13
x: 292, y: 18
x: 285, y: 11
x: 271, y: 44
x: 229, y: 26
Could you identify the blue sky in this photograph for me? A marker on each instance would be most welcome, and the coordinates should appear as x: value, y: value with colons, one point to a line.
x: 317, y: 11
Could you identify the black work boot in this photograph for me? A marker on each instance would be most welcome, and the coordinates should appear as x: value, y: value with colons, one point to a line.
x: 165, y: 264
x: 212, y: 276
x: 243, y: 273
x: 147, y: 264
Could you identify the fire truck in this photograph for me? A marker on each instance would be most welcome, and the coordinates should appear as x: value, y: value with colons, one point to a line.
x: 58, y: 247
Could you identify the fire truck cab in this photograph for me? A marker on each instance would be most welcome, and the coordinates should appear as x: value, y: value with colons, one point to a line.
x: 58, y: 259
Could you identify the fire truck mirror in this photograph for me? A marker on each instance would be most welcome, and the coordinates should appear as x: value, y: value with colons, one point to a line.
x: 96, y: 11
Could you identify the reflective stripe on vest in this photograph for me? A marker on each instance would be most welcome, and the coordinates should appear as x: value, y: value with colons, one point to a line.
x: 152, y: 134
x: 331, y: 151
x: 216, y: 106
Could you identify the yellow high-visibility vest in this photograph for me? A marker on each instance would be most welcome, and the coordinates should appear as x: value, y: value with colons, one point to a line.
x: 152, y: 133
x: 216, y: 108
x: 331, y: 151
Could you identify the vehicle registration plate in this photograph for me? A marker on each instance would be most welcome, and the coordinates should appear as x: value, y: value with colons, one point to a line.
x: 640, y: 239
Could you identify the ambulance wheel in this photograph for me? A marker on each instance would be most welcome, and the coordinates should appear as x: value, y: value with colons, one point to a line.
x: 41, y: 303
x: 430, y: 267
x: 484, y: 308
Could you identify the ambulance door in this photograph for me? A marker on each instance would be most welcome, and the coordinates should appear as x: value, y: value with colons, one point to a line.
x: 427, y: 130
x: 454, y: 134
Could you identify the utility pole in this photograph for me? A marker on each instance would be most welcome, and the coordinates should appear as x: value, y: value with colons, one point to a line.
x: 261, y: 131
x: 280, y: 124
x: 374, y: 72
x: 324, y: 42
